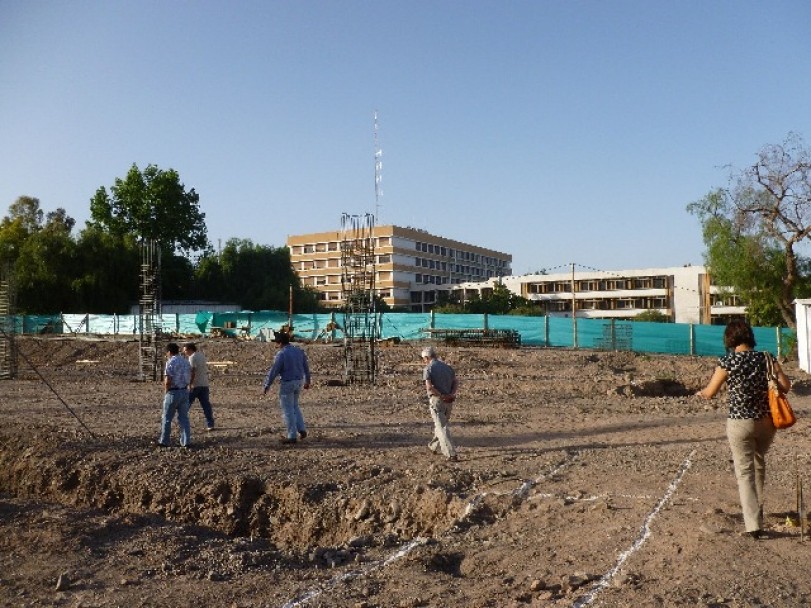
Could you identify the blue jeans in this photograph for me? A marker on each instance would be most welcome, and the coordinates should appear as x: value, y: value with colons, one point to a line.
x: 291, y: 412
x: 176, y: 401
x: 201, y: 393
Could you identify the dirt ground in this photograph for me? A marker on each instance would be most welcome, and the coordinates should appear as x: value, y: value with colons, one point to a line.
x: 584, y: 478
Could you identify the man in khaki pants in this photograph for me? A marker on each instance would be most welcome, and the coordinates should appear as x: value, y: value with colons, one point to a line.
x: 441, y: 385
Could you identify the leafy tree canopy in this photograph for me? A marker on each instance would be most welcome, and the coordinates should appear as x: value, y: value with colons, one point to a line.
x: 152, y: 204
x: 754, y: 229
x: 257, y: 277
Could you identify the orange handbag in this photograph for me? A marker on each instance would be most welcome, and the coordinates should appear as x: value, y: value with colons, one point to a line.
x: 782, y: 415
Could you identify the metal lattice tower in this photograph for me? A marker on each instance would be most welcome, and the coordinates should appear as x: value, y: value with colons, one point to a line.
x: 378, y: 174
x: 8, y: 353
x: 361, y: 321
x: 149, y: 311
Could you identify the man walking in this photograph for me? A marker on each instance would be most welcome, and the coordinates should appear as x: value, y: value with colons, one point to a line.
x: 198, y: 386
x: 290, y: 364
x: 441, y: 385
x: 176, y: 376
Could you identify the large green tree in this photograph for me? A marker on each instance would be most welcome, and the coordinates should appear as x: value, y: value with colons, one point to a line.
x: 257, y: 277
x: 106, y: 277
x: 754, y: 230
x: 44, y: 268
x: 41, y: 255
x: 24, y: 219
x: 152, y: 204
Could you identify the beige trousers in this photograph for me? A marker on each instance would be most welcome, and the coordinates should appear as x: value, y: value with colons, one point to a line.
x: 440, y: 413
x: 750, y: 440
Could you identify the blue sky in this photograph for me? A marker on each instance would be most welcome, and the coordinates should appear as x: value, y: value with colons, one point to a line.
x: 560, y: 132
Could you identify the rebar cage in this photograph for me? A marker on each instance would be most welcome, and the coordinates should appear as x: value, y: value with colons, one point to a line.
x: 8, y: 355
x: 361, y: 319
x: 149, y: 311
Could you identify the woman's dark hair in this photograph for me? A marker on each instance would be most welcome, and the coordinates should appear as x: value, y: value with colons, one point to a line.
x: 738, y: 332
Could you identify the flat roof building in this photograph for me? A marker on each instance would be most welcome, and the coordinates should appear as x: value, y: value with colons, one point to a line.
x: 411, y: 265
x: 685, y: 294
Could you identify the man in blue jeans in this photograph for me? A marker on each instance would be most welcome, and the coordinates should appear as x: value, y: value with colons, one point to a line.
x: 291, y: 365
x: 198, y: 385
x: 176, y: 377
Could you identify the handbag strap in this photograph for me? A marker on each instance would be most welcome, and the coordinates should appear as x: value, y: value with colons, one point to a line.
x: 769, y: 366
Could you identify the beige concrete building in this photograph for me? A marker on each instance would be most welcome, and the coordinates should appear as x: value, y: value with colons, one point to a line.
x: 685, y: 294
x: 411, y: 265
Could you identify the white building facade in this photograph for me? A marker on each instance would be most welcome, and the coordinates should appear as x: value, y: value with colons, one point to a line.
x: 684, y: 294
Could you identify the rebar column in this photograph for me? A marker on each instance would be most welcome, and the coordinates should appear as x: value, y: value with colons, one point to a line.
x: 8, y: 354
x: 149, y: 311
x: 361, y: 322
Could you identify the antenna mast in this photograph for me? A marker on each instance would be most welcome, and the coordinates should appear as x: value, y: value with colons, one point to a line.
x: 378, y: 174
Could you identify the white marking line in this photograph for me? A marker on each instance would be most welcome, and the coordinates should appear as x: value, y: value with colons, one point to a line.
x: 521, y: 491
x: 593, y: 498
x: 410, y: 546
x: 334, y: 581
x: 645, y: 533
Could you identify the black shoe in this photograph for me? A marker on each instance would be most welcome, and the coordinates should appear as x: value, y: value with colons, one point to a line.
x: 287, y: 440
x: 158, y: 444
x: 302, y: 434
x: 755, y: 534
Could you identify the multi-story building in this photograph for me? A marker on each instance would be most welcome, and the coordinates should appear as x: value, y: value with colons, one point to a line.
x: 411, y: 265
x: 685, y: 294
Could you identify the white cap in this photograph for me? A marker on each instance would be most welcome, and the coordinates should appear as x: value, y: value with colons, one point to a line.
x: 429, y: 352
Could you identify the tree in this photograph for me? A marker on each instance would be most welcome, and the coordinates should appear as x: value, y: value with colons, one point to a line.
x: 257, y: 277
x: 24, y: 219
x: 106, y: 275
x: 753, y: 229
x: 652, y: 316
x: 152, y: 204
x: 46, y: 264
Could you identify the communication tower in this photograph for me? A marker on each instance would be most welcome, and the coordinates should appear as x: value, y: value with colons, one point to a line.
x: 378, y: 173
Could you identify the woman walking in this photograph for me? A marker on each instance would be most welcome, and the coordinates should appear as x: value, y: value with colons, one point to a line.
x: 749, y: 424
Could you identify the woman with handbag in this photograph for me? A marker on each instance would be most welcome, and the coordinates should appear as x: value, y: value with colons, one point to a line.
x: 749, y: 427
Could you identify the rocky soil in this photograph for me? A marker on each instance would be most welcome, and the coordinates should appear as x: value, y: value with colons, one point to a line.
x: 584, y: 478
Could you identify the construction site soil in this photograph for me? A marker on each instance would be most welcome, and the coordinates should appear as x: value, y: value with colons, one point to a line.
x: 584, y: 478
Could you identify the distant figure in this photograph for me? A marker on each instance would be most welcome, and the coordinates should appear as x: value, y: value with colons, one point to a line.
x: 441, y: 385
x: 198, y: 386
x: 290, y: 364
x: 328, y: 333
x: 176, y: 376
x: 749, y: 423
